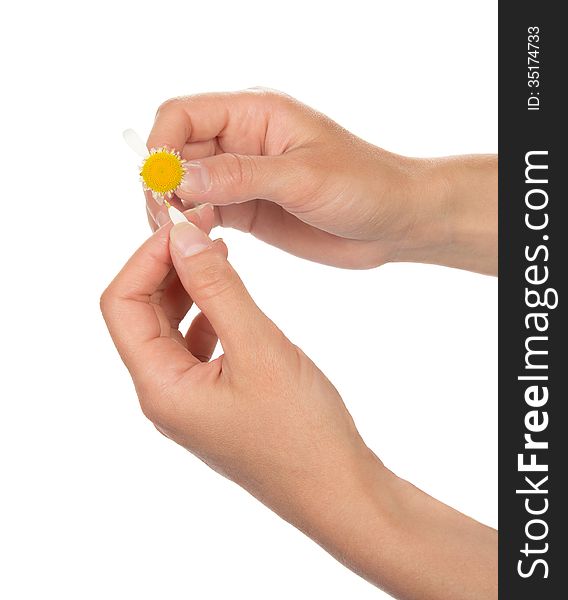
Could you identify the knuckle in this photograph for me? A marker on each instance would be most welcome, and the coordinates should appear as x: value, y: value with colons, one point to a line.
x: 169, y: 104
x: 148, y: 397
x: 150, y: 409
x: 157, y: 412
x: 158, y: 405
x: 213, y: 279
x: 106, y: 301
x: 260, y: 90
x: 241, y: 169
x: 270, y: 94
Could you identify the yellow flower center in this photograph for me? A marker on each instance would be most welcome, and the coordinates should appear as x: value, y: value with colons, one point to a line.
x: 162, y: 171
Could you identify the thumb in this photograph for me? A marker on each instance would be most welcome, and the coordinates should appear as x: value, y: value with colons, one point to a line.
x: 233, y: 178
x: 214, y: 285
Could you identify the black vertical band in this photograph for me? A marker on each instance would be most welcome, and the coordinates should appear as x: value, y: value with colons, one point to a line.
x: 533, y: 266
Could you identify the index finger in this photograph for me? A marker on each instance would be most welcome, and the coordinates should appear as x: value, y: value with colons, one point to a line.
x: 138, y: 327
x: 241, y: 116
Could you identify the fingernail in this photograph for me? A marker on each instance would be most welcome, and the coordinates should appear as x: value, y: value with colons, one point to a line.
x: 201, y: 209
x: 149, y: 213
x: 161, y: 218
x: 196, y: 179
x: 188, y: 204
x: 187, y: 239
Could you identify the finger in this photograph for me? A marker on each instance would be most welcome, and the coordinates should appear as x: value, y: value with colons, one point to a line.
x: 174, y: 300
x: 271, y: 223
x: 195, y: 150
x: 201, y: 338
x: 215, y: 287
x: 239, y: 118
x: 151, y: 221
x: 237, y: 124
x: 202, y: 215
x: 158, y: 210
x: 137, y: 324
x: 233, y: 178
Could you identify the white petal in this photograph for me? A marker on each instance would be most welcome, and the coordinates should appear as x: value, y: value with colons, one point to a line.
x: 135, y: 143
x: 176, y: 215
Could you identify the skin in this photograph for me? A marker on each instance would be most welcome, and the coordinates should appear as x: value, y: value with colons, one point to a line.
x: 295, y: 179
x: 263, y: 414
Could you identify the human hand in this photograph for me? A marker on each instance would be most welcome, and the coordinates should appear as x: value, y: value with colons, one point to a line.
x: 263, y: 415
x: 295, y: 179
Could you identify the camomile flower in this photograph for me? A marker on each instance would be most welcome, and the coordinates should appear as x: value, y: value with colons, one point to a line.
x: 161, y: 172
x: 162, y: 169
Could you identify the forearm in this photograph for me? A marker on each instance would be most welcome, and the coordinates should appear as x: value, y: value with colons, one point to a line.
x: 455, y: 209
x: 406, y: 542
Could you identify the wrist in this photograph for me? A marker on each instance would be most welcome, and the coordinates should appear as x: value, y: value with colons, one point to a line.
x: 355, y: 511
x: 452, y: 213
x: 403, y: 541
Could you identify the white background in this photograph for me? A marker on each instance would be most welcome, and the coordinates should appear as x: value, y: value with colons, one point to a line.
x: 94, y: 502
